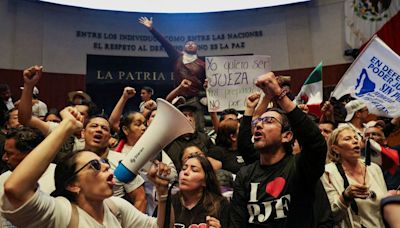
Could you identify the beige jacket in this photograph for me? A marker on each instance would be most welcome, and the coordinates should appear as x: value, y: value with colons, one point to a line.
x: 369, y: 213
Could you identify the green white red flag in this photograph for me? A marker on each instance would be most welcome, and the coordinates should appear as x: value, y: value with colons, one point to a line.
x: 311, y: 91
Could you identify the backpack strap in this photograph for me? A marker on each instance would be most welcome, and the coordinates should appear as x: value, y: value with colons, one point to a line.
x: 74, y: 221
x: 114, y: 209
x: 353, y: 204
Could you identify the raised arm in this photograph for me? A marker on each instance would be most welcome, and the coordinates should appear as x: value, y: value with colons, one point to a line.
x: 262, y: 106
x: 31, y: 77
x: 271, y: 88
x: 169, y: 48
x: 149, y: 106
x: 115, y: 116
x: 156, y: 174
x: 21, y: 185
x: 245, y: 145
x: 327, y: 112
x: 184, y: 86
x: 313, y: 144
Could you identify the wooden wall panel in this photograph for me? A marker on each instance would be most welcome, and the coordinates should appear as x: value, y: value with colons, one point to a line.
x: 53, y: 87
x: 330, y: 75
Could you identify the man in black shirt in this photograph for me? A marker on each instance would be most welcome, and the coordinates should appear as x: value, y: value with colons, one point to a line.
x: 279, y: 189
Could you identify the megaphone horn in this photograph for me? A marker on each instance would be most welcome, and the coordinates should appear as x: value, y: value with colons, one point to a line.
x: 168, y: 124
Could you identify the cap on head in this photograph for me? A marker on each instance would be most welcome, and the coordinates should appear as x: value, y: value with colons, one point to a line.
x: 375, y: 123
x: 352, y: 107
x: 179, y: 100
x: 84, y: 96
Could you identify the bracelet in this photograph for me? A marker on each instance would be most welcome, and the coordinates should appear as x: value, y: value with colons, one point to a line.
x: 282, y: 94
x: 347, y: 199
x: 162, y: 198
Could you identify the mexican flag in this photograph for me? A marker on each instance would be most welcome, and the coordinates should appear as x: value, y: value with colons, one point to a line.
x: 363, y: 18
x: 311, y: 91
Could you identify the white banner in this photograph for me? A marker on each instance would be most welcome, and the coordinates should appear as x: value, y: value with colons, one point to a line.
x: 231, y: 79
x: 374, y: 78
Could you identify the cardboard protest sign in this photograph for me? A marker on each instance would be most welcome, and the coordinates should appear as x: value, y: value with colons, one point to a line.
x: 231, y: 79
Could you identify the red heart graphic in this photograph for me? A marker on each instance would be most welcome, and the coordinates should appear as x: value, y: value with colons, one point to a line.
x: 201, y: 225
x: 275, y: 187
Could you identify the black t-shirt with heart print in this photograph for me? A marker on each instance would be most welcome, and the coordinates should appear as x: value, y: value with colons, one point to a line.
x: 282, y: 194
x: 196, y: 217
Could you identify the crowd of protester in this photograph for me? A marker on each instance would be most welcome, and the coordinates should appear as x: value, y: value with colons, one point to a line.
x: 273, y: 165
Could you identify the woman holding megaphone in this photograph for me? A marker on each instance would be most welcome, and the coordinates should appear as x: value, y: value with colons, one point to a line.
x: 83, y: 194
x: 132, y: 126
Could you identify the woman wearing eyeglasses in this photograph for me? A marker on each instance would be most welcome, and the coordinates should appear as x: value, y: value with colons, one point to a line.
x: 354, y: 190
x: 83, y: 186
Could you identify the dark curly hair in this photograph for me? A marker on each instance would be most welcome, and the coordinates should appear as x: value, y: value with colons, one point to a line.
x: 26, y: 138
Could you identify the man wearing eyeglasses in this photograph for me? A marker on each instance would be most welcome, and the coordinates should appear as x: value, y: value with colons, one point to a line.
x: 278, y: 190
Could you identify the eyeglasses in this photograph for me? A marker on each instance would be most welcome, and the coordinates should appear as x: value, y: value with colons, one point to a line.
x: 94, y: 164
x: 265, y: 120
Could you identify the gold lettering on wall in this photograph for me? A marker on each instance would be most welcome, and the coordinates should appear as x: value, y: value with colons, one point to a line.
x: 133, y: 76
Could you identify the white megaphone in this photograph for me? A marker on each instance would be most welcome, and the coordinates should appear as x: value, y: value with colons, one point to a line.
x: 168, y: 124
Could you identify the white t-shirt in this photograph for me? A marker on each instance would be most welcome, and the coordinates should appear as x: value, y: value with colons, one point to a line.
x: 79, y: 144
x: 43, y: 210
x: 39, y: 109
x: 46, y: 183
x: 9, y: 103
x: 114, y: 158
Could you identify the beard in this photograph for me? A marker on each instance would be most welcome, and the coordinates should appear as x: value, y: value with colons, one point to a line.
x: 267, y: 147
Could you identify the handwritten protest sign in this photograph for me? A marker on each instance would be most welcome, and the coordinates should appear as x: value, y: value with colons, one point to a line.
x: 231, y: 79
x: 374, y: 77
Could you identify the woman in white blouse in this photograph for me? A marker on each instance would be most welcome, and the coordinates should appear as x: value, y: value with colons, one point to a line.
x: 84, y: 192
x: 354, y: 189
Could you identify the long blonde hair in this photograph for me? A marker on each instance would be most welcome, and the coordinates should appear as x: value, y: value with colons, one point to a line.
x: 332, y: 156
